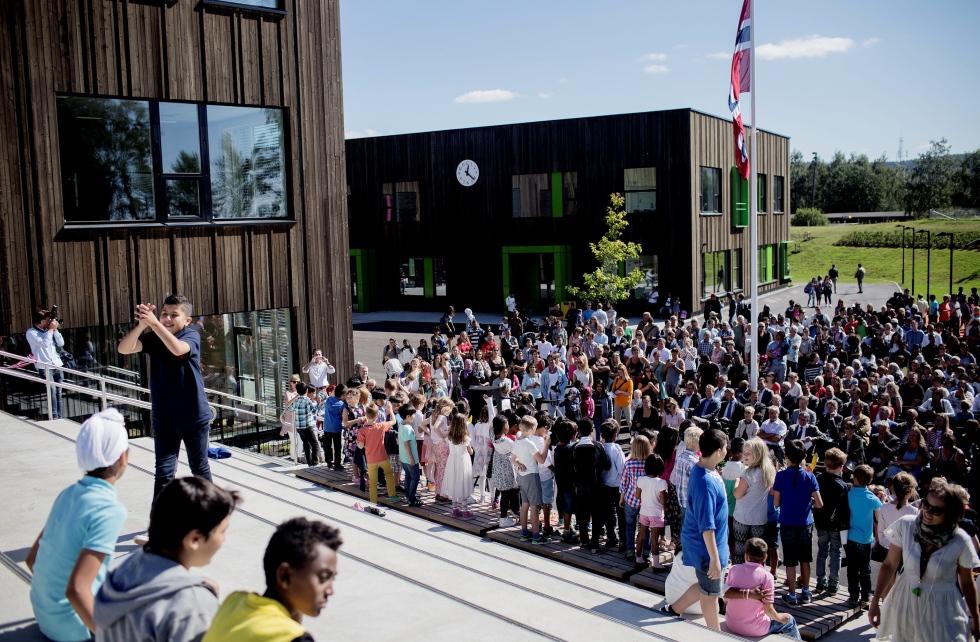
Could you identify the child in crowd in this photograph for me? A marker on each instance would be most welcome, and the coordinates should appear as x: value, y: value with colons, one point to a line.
x: 796, y: 492
x: 153, y: 595
x: 481, y: 440
x: 352, y: 418
x: 371, y: 440
x: 749, y: 597
x: 588, y: 404
x: 752, y: 498
x: 610, y: 510
x: 503, y: 478
x: 528, y: 456
x: 421, y: 430
x: 860, y: 536
x: 457, y: 483
x: 903, y: 492
x: 408, y: 453
x: 651, y: 491
x: 564, y: 468
x: 730, y: 471
x: 546, y: 473
x: 304, y: 409
x: 633, y: 470
x: 832, y: 518
x: 70, y: 557
x: 437, y: 452
x: 300, y: 565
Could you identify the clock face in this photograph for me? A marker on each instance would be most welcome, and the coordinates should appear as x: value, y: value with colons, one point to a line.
x: 467, y: 172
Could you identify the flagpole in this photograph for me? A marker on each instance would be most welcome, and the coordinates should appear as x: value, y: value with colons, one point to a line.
x: 753, y: 214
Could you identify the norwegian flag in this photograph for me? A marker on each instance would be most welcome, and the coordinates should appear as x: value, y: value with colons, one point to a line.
x: 740, y: 81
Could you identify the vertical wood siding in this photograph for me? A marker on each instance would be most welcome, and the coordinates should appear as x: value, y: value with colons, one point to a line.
x: 178, y: 50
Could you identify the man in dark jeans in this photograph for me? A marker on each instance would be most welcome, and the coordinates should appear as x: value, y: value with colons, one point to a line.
x: 590, y: 461
x: 332, y: 426
x: 180, y: 409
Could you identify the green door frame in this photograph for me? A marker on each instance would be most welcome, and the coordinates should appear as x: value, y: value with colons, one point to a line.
x: 359, y: 256
x: 561, y: 254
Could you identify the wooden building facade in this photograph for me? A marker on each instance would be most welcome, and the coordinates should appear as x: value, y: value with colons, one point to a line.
x: 425, y: 234
x: 192, y: 146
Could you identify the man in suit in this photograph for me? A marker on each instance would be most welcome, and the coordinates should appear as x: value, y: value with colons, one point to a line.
x: 832, y: 421
x: 708, y: 406
x: 852, y: 445
x: 803, y: 430
x: 803, y: 407
x: 883, y: 448
x: 731, y: 411
x: 689, y: 400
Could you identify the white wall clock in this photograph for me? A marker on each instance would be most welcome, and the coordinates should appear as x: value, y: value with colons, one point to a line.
x: 467, y: 172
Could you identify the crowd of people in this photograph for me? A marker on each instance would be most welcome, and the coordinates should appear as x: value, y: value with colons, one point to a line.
x: 859, y: 413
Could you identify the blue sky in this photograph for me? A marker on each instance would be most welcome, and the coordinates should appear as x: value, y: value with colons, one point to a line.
x: 850, y: 75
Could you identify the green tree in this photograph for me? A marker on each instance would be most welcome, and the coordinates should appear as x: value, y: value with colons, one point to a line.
x: 605, y: 283
x: 931, y: 182
x: 968, y: 181
x: 809, y: 217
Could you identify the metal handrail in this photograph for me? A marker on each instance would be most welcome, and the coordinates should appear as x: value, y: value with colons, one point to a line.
x: 125, y: 384
x: 101, y: 393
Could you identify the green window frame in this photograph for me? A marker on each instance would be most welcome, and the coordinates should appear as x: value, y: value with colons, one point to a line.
x: 740, y: 199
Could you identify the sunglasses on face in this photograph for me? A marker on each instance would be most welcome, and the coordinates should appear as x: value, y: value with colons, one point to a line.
x: 932, y: 509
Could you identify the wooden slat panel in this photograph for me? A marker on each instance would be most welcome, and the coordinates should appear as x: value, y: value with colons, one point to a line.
x: 193, y: 266
x: 251, y: 59
x: 183, y: 52
x: 219, y: 48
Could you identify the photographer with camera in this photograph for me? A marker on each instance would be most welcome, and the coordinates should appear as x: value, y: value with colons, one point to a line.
x: 46, y: 342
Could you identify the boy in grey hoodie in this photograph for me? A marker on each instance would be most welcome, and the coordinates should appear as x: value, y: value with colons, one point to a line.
x: 153, y: 594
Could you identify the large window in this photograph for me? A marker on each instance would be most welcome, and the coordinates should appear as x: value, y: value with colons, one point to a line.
x: 736, y: 269
x: 569, y: 183
x: 778, y: 194
x: 106, y: 160
x: 714, y: 273
x: 422, y: 276
x: 763, y: 197
x: 647, y: 264
x: 640, y: 185
x: 710, y: 190
x: 401, y: 202
x: 144, y: 161
x: 412, y: 277
x: 246, y: 162
x: 531, y: 195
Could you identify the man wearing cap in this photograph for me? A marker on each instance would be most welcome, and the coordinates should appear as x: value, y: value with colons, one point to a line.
x: 70, y: 557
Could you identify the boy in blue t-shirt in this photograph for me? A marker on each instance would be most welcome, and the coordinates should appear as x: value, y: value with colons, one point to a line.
x: 796, y: 492
x: 70, y: 557
x: 860, y: 536
x: 705, y: 531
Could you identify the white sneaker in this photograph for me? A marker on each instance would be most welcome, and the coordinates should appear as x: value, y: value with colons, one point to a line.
x: 506, y: 522
x: 141, y: 540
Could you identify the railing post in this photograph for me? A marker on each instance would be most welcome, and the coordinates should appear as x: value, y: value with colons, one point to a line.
x: 47, y: 388
x: 102, y: 394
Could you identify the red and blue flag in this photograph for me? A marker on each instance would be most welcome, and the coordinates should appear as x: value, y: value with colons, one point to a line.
x: 741, y: 81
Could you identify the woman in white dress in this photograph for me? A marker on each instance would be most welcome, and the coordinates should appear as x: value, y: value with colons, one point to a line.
x: 925, y: 603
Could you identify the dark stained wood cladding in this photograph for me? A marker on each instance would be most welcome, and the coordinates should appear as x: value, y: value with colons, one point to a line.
x: 176, y: 50
x: 469, y: 225
x: 711, y: 146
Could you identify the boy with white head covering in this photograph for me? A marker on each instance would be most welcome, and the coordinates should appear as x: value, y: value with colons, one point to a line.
x: 70, y: 557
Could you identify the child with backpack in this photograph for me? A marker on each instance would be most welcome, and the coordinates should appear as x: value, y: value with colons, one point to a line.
x: 832, y: 518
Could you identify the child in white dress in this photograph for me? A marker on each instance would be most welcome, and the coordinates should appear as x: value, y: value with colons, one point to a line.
x: 457, y: 480
x: 481, y: 440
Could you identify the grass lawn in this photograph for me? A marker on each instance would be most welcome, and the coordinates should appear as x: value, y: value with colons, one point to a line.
x: 812, y: 250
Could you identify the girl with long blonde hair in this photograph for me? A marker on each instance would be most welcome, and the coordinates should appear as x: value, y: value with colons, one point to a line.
x: 752, y: 496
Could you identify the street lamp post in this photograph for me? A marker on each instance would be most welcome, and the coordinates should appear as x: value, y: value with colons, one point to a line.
x: 813, y: 197
x: 913, y: 260
x: 928, y: 260
x: 904, y: 228
x: 949, y: 236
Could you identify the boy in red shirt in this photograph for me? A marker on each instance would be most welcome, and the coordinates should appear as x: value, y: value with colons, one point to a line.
x: 371, y: 438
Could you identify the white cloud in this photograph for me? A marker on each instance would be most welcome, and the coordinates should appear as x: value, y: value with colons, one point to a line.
x: 563, y: 81
x: 683, y: 45
x: 486, y: 96
x: 720, y: 55
x: 808, y: 47
x: 367, y: 133
x: 656, y: 69
x: 870, y: 42
x: 653, y: 57
x: 544, y: 95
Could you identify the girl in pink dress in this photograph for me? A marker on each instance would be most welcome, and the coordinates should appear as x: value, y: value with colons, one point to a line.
x: 437, y: 448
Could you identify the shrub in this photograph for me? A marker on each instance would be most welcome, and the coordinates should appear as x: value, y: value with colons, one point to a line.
x: 889, y: 238
x: 809, y: 217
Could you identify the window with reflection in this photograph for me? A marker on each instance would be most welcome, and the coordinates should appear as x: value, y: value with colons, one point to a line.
x: 144, y: 161
x: 440, y: 275
x: 106, y: 159
x: 710, y: 190
x: 640, y: 186
x: 778, y: 194
x: 531, y: 195
x: 714, y: 273
x: 647, y: 265
x: 761, y: 190
x: 412, y: 277
x: 401, y: 202
x: 247, y: 163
